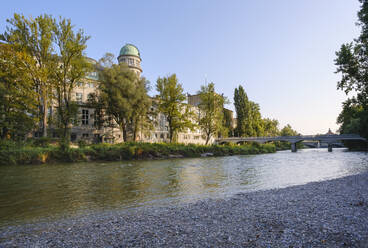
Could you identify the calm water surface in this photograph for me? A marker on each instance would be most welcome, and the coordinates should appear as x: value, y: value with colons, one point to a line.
x: 31, y: 193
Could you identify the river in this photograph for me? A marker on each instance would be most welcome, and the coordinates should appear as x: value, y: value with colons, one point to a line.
x: 44, y: 192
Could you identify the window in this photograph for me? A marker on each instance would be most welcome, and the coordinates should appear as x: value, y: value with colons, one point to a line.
x: 85, y: 135
x: 85, y: 116
x: 131, y: 62
x: 78, y: 97
x: 79, y: 84
x: 162, y: 136
x: 162, y: 122
x: 91, y: 85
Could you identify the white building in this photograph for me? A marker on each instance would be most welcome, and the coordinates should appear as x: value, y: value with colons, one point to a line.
x: 87, y: 130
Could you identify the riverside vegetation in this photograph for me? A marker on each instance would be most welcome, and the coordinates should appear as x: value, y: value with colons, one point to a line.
x: 40, y: 152
x: 42, y: 62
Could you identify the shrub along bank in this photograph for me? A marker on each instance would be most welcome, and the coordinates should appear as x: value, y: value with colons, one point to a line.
x: 124, y: 151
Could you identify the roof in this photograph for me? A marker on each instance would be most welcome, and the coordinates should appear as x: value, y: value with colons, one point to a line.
x: 129, y: 49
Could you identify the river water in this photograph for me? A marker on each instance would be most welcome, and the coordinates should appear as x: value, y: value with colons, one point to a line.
x: 43, y: 192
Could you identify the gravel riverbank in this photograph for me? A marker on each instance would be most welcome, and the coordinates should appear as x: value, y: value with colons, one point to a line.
x: 323, y: 214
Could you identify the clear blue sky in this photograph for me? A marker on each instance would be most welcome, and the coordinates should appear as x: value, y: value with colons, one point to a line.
x: 281, y: 51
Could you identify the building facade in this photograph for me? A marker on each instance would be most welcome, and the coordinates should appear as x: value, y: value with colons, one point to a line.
x: 87, y: 130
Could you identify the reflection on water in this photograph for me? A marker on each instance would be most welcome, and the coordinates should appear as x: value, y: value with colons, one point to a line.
x: 28, y: 193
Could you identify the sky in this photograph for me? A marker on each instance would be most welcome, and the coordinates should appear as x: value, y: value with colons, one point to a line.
x: 282, y: 52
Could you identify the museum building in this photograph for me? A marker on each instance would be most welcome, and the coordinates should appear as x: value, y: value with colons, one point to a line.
x: 87, y: 130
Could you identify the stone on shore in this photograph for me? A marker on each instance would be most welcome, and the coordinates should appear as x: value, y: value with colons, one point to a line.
x: 321, y: 214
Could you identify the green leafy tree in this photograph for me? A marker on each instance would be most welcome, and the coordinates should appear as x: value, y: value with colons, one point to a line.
x: 249, y: 119
x: 171, y: 103
x: 270, y: 127
x: 34, y: 37
x: 243, y: 109
x: 353, y: 118
x: 18, y: 107
x: 70, y: 67
x: 351, y: 63
x: 256, y: 121
x: 211, y: 111
x: 288, y: 131
x: 125, y: 97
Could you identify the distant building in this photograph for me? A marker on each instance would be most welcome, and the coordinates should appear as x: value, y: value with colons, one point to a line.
x: 330, y: 132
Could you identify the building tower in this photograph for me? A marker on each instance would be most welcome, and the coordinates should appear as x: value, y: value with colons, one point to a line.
x: 130, y: 55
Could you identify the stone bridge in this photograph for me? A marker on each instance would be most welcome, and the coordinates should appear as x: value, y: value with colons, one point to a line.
x: 329, y: 139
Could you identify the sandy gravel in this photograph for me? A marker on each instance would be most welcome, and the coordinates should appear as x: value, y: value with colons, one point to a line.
x: 324, y: 214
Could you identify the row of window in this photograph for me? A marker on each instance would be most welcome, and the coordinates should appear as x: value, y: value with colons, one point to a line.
x: 79, y: 97
x: 89, y: 85
x: 163, y: 136
x: 187, y: 136
x: 130, y: 61
x: 93, y: 75
x: 156, y: 136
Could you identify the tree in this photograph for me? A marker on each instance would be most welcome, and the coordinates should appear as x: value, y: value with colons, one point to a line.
x: 34, y: 38
x: 242, y: 112
x: 270, y: 127
x: 171, y: 103
x: 249, y: 119
x: 211, y: 111
x: 288, y: 131
x: 70, y: 66
x: 125, y: 97
x: 351, y: 62
x: 18, y: 106
x: 256, y: 121
x: 353, y: 118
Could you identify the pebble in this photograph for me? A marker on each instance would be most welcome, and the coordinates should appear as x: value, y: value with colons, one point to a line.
x: 331, y: 213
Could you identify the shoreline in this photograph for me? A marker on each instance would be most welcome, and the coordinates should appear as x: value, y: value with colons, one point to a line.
x: 125, y: 152
x: 331, y: 213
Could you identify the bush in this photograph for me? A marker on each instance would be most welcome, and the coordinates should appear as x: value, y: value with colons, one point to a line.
x: 43, y: 142
x: 12, y: 154
x: 7, y: 144
x: 82, y: 143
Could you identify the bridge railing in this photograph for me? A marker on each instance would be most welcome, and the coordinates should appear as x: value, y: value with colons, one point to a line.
x: 297, y: 137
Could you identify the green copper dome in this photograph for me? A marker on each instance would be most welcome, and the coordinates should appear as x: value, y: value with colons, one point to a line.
x: 129, y: 49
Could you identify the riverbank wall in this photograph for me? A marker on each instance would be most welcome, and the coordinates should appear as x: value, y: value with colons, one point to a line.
x: 125, y: 151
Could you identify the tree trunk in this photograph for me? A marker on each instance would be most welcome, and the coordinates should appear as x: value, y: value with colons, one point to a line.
x: 124, y: 134
x: 171, y: 135
x: 4, y: 133
x: 135, y: 130
x: 44, y: 117
x: 65, y: 142
x: 208, y: 138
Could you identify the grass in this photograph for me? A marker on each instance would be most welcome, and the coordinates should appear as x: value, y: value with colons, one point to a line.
x: 15, y: 155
